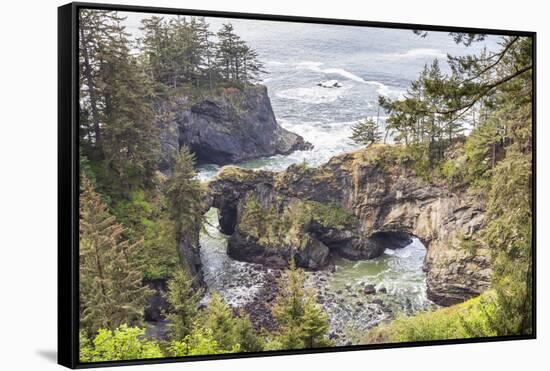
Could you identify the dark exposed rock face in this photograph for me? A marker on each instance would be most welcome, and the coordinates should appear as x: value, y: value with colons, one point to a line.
x: 314, y: 255
x: 388, y: 204
x: 189, y: 253
x: 236, y: 126
x: 156, y: 303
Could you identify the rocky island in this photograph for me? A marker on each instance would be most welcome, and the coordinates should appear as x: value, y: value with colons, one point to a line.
x: 230, y: 127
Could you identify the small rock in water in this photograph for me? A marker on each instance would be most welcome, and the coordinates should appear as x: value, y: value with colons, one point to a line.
x: 382, y: 290
x: 378, y: 301
x: 369, y: 289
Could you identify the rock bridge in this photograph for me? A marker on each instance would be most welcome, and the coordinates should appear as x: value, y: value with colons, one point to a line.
x: 354, y: 206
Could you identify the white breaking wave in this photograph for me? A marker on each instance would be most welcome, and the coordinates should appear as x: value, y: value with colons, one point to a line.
x: 381, y: 88
x: 405, y: 252
x: 313, y: 95
x: 275, y: 63
x: 420, y: 53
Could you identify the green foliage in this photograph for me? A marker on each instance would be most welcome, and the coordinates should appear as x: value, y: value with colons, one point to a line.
x: 124, y: 343
x: 228, y: 330
x: 288, y: 227
x: 111, y: 289
x: 460, y: 321
x: 199, y: 342
x: 184, y: 193
x: 182, y: 52
x: 236, y: 61
x: 248, y: 339
x: 145, y: 216
x: 366, y: 132
x: 330, y: 215
x: 494, y: 162
x: 183, y: 299
x: 117, y: 128
x: 302, y: 323
x: 508, y: 232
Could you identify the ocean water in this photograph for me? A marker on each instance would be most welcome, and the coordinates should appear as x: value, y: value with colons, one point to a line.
x: 366, y: 63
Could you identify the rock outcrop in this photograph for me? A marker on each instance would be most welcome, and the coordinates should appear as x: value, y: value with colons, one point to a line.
x: 189, y: 253
x: 354, y: 206
x: 230, y: 127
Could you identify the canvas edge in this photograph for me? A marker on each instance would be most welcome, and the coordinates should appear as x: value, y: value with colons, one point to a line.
x: 68, y: 181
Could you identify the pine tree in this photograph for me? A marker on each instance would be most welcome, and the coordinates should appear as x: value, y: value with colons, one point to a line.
x: 183, y: 299
x: 118, y: 130
x: 248, y: 339
x: 111, y: 290
x: 253, y: 218
x: 366, y: 132
x: 237, y: 62
x: 219, y: 318
x: 95, y: 29
x: 315, y: 324
x: 130, y: 137
x: 184, y: 193
x: 301, y: 322
x: 228, y: 330
x: 209, y: 51
x: 153, y: 46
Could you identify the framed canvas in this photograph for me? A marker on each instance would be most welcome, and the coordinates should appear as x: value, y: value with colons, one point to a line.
x: 236, y: 185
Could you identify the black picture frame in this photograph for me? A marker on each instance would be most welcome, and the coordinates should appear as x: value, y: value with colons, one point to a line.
x: 68, y: 179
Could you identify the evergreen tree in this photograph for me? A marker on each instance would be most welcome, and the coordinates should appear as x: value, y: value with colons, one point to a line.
x: 153, y: 46
x: 130, y: 137
x: 229, y: 331
x: 118, y: 131
x: 301, y: 322
x: 95, y: 29
x: 219, y: 318
x: 184, y: 193
x: 237, y: 62
x: 366, y: 132
x: 253, y: 219
x: 111, y: 290
x: 248, y: 339
x: 183, y: 299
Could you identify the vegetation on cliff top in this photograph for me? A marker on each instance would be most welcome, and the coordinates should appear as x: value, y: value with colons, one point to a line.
x: 460, y: 321
x: 489, y: 95
x: 472, y: 128
x: 287, y: 225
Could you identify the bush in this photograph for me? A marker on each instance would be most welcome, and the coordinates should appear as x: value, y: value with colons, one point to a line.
x: 125, y: 343
x: 461, y: 321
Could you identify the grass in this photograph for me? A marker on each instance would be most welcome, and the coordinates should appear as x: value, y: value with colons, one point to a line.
x: 461, y: 321
x: 236, y: 174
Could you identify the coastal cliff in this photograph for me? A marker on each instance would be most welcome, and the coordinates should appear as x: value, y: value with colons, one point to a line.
x: 355, y: 206
x: 231, y: 126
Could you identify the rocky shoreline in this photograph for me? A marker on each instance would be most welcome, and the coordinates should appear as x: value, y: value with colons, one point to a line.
x: 353, y: 207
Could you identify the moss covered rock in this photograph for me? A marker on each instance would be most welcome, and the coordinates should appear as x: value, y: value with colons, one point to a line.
x: 356, y: 205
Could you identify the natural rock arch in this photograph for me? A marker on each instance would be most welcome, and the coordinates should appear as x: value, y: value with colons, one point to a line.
x: 384, y: 199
